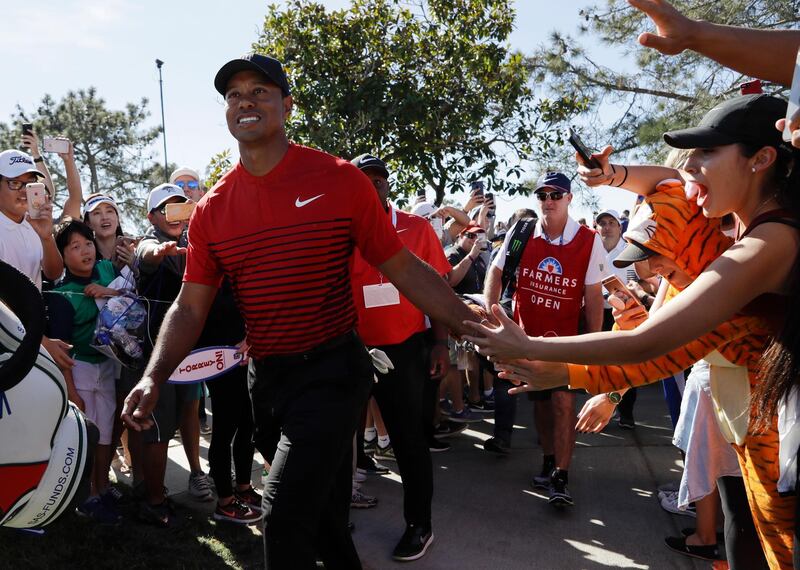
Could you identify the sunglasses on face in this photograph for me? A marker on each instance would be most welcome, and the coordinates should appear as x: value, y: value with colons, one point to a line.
x: 471, y: 235
x: 191, y: 185
x: 554, y: 196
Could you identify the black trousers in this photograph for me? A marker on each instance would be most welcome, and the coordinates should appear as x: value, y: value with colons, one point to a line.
x: 400, y: 395
x: 742, y: 545
x: 233, y: 423
x: 306, y: 409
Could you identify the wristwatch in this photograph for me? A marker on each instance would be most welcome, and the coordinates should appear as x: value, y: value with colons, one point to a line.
x: 614, y: 397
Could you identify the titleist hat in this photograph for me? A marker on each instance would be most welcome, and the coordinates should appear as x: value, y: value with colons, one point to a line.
x: 269, y: 66
x: 367, y: 162
x: 14, y: 163
x: 745, y: 119
x: 162, y: 193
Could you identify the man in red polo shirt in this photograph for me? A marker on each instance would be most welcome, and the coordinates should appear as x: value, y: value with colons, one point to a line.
x: 282, y: 226
x: 388, y: 321
x: 558, y: 276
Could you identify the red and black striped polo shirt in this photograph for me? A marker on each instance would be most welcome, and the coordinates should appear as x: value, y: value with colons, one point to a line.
x: 285, y: 241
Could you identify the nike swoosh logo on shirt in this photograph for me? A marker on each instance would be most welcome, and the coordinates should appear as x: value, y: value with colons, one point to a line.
x: 300, y: 203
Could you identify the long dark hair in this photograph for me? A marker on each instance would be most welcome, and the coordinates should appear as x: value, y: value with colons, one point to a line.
x: 779, y: 368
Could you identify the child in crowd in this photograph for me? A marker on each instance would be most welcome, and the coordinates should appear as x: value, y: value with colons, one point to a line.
x: 90, y: 383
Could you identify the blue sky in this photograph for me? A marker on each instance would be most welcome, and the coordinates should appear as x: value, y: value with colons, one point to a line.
x: 61, y: 45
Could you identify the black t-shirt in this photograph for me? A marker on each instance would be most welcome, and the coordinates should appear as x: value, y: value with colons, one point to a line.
x: 473, y: 280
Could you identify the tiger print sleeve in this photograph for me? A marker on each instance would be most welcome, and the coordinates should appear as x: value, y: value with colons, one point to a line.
x: 731, y: 338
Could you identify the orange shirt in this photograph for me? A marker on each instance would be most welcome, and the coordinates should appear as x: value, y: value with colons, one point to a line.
x: 393, y: 324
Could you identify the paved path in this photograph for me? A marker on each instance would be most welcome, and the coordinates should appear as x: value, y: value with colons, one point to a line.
x: 486, y: 516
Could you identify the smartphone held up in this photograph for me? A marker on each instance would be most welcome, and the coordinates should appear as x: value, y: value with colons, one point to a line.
x: 581, y: 149
x: 60, y: 146
x: 793, y: 109
x: 36, y: 195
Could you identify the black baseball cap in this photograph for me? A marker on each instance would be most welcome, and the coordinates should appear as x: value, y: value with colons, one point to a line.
x: 367, y: 161
x: 748, y: 119
x: 269, y: 66
x: 632, y: 253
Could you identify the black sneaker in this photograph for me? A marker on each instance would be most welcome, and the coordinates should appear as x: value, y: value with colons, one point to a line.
x: 496, y: 445
x: 414, y: 544
x: 237, y: 512
x: 369, y: 466
x: 542, y: 480
x: 435, y: 445
x: 482, y: 407
x: 678, y: 544
x: 626, y: 422
x: 559, y: 494
x: 448, y: 429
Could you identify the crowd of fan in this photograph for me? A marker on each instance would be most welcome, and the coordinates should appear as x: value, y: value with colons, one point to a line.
x: 544, y: 268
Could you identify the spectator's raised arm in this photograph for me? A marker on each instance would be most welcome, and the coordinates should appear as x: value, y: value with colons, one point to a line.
x: 767, y: 54
x: 31, y: 142
x: 72, y: 206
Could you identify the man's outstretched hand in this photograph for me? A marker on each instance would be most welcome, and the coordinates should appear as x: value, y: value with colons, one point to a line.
x: 673, y: 29
x: 137, y: 412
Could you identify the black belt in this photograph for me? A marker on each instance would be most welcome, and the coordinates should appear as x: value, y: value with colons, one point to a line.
x: 314, y: 353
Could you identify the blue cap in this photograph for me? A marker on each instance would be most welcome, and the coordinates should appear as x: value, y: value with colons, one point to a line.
x: 554, y: 180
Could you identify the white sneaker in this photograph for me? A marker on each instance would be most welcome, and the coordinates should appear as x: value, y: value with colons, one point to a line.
x: 670, y: 504
x: 200, y: 487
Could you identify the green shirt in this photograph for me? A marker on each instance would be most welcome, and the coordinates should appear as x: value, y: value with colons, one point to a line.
x: 85, y: 310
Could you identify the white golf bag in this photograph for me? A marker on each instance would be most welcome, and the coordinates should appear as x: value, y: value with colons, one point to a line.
x: 46, y: 443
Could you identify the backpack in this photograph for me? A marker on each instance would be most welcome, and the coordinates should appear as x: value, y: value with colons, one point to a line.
x: 516, y: 245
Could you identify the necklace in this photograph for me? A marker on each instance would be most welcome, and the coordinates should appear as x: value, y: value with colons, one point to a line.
x: 740, y: 227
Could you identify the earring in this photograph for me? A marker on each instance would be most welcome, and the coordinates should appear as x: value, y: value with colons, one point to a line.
x: 753, y: 169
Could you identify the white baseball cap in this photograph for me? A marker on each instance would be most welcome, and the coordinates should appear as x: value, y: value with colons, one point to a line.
x: 162, y: 193
x: 183, y: 171
x: 613, y: 213
x: 14, y: 163
x: 423, y: 209
x: 94, y: 201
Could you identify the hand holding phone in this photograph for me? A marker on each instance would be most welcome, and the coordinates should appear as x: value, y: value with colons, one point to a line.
x: 581, y: 149
x: 616, y: 288
x: 57, y: 145
x: 27, y: 128
x: 37, y: 198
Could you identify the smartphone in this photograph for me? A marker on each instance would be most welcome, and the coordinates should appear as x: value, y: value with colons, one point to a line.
x: 421, y: 193
x: 477, y: 187
x: 794, y: 99
x: 617, y: 288
x: 27, y: 128
x: 179, y: 212
x: 125, y: 241
x: 37, y: 198
x: 61, y: 146
x: 751, y: 87
x: 581, y: 149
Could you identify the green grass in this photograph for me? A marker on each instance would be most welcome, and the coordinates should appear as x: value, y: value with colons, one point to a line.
x: 75, y: 542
